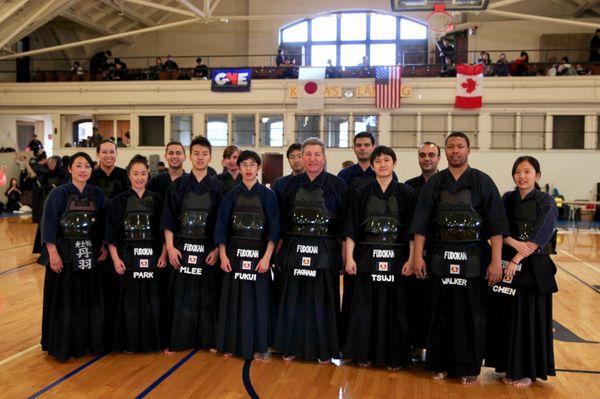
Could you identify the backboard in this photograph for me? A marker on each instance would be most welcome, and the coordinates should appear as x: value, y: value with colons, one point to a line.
x: 428, y: 5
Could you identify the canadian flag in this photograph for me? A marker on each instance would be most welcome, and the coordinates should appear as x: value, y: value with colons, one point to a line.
x: 469, y: 86
x: 310, y: 88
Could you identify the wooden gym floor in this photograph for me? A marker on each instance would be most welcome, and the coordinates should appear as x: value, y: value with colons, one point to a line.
x: 27, y: 372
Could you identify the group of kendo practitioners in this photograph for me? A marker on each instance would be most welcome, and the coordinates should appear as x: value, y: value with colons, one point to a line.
x: 440, y: 268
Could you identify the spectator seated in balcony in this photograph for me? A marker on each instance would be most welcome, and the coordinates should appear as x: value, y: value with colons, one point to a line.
x: 120, y: 70
x: 581, y: 70
x: 77, y: 69
x: 170, y: 65
x: 155, y: 70
x: 502, y: 67
x: 485, y: 60
x: 595, y: 47
x: 519, y: 66
x: 280, y: 59
x: 448, y: 69
x: 446, y: 49
x: 565, y: 68
x: 99, y: 62
x: 289, y: 71
x: 200, y: 70
x: 330, y: 71
x: 364, y: 68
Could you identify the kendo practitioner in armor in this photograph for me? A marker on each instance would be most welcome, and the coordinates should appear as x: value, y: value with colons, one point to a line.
x: 231, y: 174
x: 418, y: 290
x: 112, y: 180
x: 460, y: 209
x: 188, y: 220
x: 135, y: 243
x: 378, y: 252
x: 294, y: 157
x: 355, y: 175
x: 73, y: 309
x: 246, y: 232
x: 520, y: 337
x: 311, y: 260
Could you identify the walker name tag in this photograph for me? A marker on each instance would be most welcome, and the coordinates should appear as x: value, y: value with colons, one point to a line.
x: 307, y: 260
x: 382, y: 266
x: 461, y: 282
x: 143, y: 263
x: 192, y: 258
x: 83, y: 255
x: 245, y: 261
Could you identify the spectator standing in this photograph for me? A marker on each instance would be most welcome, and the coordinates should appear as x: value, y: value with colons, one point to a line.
x: 156, y: 69
x: 595, y: 47
x: 35, y: 145
x: 200, y: 70
x: 99, y: 62
x: 446, y: 49
x: 280, y: 59
x: 170, y: 65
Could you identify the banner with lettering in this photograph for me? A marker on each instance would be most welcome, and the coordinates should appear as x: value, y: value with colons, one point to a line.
x: 231, y: 79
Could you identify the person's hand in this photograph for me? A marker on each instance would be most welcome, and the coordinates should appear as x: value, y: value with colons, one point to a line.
x: 162, y: 260
x: 523, y: 248
x: 494, y: 273
x: 225, y: 264
x: 263, y: 265
x: 174, y: 257
x: 407, y: 269
x: 419, y: 267
x: 119, y: 266
x: 350, y: 266
x: 103, y: 253
x: 55, y: 262
x: 212, y: 257
x: 511, y: 269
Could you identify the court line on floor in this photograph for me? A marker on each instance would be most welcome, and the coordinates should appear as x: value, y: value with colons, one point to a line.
x: 579, y: 260
x: 247, y: 381
x: 14, y: 269
x: 578, y: 279
x: 18, y: 354
x: 166, y: 375
x: 66, y: 376
x: 579, y: 371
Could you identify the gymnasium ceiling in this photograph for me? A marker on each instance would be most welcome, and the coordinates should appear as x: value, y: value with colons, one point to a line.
x: 56, y: 22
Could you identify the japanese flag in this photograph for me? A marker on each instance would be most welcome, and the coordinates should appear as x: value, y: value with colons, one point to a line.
x: 469, y: 86
x: 310, y: 88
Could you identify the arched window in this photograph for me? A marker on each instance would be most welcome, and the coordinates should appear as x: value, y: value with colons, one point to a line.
x: 345, y: 37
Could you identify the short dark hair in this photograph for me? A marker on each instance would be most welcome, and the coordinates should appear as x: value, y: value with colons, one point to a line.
x: 382, y: 150
x: 293, y: 147
x: 161, y: 163
x: 174, y: 142
x: 199, y: 60
x: 201, y: 141
x: 530, y: 160
x: 364, y: 135
x: 230, y: 150
x: 108, y: 52
x: 81, y: 154
x: 138, y: 159
x: 104, y: 141
x: 433, y: 144
x: 458, y: 134
x: 247, y: 154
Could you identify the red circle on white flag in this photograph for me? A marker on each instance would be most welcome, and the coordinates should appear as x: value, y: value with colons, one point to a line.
x: 311, y: 87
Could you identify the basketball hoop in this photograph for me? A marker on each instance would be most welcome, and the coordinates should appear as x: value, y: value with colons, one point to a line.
x: 439, y: 22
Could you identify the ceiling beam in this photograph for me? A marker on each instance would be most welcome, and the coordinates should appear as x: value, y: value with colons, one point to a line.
x: 541, y: 18
x: 103, y: 39
x: 587, y: 7
x: 193, y: 7
x: 213, y: 6
x: 158, y: 6
x: 128, y: 12
x: 95, y: 26
x: 502, y: 3
x: 9, y: 9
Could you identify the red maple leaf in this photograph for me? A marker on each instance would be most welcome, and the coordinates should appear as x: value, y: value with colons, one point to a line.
x: 469, y: 85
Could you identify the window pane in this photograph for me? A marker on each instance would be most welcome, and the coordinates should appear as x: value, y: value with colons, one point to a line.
x: 84, y: 130
x: 503, y: 131
x: 337, y: 131
x: 383, y: 54
x: 243, y: 130
x: 324, y: 28
x: 383, y: 27
x: 434, y: 128
x: 354, y: 26
x: 152, y: 131
x: 271, y: 130
x: 307, y: 126
x: 568, y: 131
x: 533, y: 131
x: 410, y: 30
x: 321, y: 53
x: 404, y: 131
x: 468, y: 124
x: 216, y: 130
x: 181, y: 129
x: 351, y: 54
x: 296, y: 33
x: 366, y: 123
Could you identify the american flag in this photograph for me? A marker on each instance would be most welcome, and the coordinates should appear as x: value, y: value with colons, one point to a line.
x: 387, y: 86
